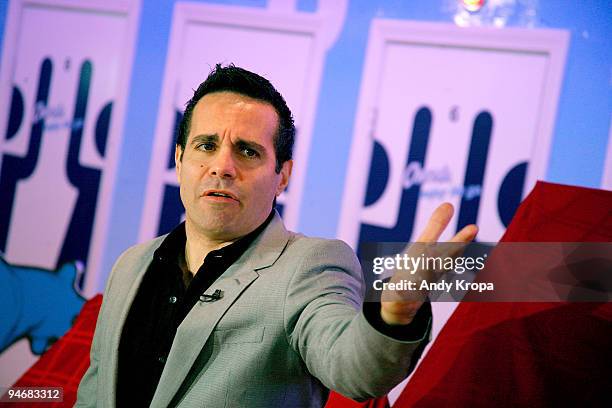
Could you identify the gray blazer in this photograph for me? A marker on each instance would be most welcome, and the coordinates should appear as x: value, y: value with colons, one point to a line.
x: 288, y: 328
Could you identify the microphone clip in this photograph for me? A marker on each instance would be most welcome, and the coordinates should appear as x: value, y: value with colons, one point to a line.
x: 217, y: 294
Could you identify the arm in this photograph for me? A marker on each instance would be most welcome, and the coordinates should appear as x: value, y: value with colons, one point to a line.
x: 326, y: 326
x: 358, y: 354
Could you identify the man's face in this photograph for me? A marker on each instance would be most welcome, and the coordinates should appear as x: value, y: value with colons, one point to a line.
x: 226, y: 173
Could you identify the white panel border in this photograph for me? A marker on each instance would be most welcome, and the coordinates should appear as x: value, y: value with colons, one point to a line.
x: 553, y: 43
x: 131, y: 10
x: 324, y: 26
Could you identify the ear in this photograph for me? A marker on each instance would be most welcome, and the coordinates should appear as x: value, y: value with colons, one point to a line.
x: 285, y: 174
x: 177, y: 161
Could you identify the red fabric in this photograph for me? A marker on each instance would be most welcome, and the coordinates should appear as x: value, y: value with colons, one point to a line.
x: 527, y: 354
x: 66, y: 361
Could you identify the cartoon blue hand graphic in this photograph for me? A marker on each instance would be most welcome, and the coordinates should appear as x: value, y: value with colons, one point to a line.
x: 36, y: 303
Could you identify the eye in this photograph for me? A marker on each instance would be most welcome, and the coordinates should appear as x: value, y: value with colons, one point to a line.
x: 206, y: 146
x: 248, y: 152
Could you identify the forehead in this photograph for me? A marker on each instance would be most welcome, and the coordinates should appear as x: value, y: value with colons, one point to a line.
x: 223, y: 113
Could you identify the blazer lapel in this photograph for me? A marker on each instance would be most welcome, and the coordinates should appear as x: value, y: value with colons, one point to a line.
x: 198, y: 325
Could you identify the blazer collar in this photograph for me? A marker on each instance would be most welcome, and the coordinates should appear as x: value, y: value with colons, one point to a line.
x: 267, y: 248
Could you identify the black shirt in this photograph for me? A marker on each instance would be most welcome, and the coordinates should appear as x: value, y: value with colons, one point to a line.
x: 166, y: 295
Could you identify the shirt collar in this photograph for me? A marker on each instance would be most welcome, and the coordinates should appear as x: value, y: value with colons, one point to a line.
x: 171, y: 246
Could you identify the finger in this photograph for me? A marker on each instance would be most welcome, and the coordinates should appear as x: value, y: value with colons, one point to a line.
x: 467, y: 234
x: 437, y: 223
x: 457, y: 244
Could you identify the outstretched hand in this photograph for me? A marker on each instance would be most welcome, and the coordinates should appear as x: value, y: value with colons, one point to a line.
x: 401, y: 310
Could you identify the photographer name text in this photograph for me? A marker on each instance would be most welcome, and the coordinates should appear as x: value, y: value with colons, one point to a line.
x: 442, y: 286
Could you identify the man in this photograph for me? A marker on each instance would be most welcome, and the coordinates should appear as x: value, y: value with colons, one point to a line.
x: 230, y: 309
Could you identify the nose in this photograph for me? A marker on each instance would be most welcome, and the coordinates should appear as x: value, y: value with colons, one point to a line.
x: 223, y: 164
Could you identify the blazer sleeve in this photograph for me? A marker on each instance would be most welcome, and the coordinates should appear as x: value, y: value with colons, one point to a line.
x: 87, y: 393
x: 326, y: 326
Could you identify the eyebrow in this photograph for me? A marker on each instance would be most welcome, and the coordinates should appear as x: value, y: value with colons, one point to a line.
x: 251, y: 144
x: 204, y: 138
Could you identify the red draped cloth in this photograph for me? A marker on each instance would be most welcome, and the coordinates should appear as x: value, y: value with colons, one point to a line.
x: 527, y: 354
x: 66, y: 361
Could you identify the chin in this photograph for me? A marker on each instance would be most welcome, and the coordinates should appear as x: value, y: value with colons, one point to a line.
x: 222, y: 230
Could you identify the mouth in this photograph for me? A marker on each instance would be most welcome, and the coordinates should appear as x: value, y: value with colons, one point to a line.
x: 220, y: 195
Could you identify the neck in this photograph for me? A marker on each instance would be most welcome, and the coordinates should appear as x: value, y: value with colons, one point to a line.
x: 198, y: 246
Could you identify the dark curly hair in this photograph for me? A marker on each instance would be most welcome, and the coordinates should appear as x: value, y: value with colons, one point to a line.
x: 235, y: 79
